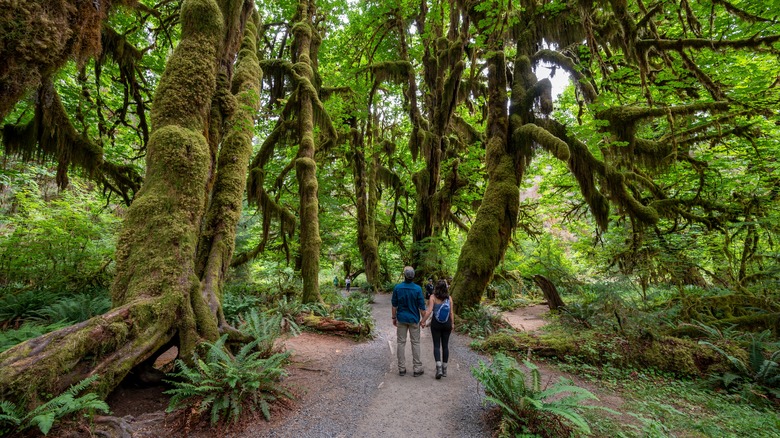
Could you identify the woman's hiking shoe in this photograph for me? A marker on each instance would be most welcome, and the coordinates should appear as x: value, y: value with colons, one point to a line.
x: 418, y: 373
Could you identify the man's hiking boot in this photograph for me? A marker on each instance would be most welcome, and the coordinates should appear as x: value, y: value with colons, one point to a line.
x: 444, y: 369
x: 438, y: 370
x: 418, y: 373
x: 402, y: 372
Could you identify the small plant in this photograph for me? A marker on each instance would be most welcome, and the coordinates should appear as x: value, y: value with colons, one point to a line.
x: 20, y: 305
x: 13, y: 418
x: 757, y: 373
x: 264, y: 329
x: 235, y: 304
x: 222, y: 383
x: 525, y: 406
x: 289, y: 309
x: 580, y: 313
x: 76, y: 308
x: 355, y: 310
x: 481, y: 321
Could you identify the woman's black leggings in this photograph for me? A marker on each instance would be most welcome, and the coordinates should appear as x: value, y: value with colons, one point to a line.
x: 441, y: 338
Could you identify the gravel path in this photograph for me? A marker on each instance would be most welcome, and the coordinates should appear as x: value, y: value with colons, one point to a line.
x: 365, y: 397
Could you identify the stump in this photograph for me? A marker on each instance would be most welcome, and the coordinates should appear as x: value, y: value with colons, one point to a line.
x: 550, y: 292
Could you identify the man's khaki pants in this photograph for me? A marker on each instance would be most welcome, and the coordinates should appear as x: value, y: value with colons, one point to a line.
x: 414, y: 335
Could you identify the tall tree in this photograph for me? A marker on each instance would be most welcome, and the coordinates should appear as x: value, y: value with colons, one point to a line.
x: 163, y: 293
x: 301, y: 115
x: 633, y: 61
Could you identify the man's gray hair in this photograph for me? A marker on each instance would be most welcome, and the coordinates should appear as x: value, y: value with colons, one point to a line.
x: 408, y: 273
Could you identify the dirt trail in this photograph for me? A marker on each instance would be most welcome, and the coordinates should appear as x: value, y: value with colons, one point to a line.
x: 357, y: 391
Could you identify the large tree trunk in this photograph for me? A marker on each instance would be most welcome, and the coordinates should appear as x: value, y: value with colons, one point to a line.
x: 305, y: 166
x: 364, y: 174
x: 442, y: 71
x: 156, y: 292
x: 489, y: 236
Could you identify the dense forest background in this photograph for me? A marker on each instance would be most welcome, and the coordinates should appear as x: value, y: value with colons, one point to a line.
x: 165, y: 163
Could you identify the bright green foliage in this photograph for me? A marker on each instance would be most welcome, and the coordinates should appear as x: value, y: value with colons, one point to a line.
x: 63, y: 243
x: 222, y: 383
x: 525, y: 406
x: 264, y: 328
x: 355, y: 310
x: 76, y: 308
x: 13, y: 418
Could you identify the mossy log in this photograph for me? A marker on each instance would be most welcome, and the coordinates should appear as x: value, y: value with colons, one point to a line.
x: 326, y: 324
x: 683, y: 357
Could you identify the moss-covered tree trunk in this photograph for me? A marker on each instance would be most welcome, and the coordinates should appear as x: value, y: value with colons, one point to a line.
x: 364, y: 174
x: 305, y: 166
x: 496, y: 218
x: 443, y: 67
x: 157, y: 294
x: 37, y: 38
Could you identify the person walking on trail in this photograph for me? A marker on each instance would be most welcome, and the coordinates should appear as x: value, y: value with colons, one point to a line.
x: 428, y: 289
x: 408, y: 308
x: 336, y: 281
x: 442, y: 323
x: 348, y: 282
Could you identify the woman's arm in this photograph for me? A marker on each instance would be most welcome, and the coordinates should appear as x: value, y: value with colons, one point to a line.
x: 428, y: 311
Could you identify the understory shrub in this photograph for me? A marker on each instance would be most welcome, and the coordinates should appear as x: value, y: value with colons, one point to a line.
x: 525, y: 406
x: 480, y: 321
x: 356, y: 310
x: 221, y: 383
x: 754, y: 374
x: 15, y: 418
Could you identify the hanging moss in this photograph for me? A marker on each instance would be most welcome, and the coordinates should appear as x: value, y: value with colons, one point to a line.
x: 38, y: 37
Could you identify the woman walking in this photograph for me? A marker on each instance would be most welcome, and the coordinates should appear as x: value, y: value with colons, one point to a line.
x: 442, y: 323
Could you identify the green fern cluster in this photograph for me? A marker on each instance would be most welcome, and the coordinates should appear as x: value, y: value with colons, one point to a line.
x: 222, y: 383
x: 16, y: 418
x: 755, y: 374
x: 28, y: 330
x: 481, y: 321
x: 76, y: 308
x: 355, y: 310
x: 264, y: 328
x: 525, y: 406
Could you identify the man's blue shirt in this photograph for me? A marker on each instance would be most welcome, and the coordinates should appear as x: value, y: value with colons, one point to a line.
x: 408, y: 300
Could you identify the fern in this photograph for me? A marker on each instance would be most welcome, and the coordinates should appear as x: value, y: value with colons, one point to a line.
x: 46, y: 415
x: 221, y: 383
x: 9, y: 338
x: 525, y: 406
x: 75, y: 309
x: 756, y: 370
x: 355, y: 310
x: 264, y: 328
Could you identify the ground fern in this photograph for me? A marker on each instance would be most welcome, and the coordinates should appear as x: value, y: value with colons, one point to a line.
x: 220, y: 384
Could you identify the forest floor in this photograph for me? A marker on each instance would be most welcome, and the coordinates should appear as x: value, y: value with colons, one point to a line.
x: 346, y: 388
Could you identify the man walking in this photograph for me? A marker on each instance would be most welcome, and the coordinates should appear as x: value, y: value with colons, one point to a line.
x: 408, y: 307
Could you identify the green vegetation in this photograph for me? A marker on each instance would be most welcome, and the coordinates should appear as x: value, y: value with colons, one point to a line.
x: 16, y: 418
x: 527, y: 407
x: 253, y: 151
x: 220, y: 384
